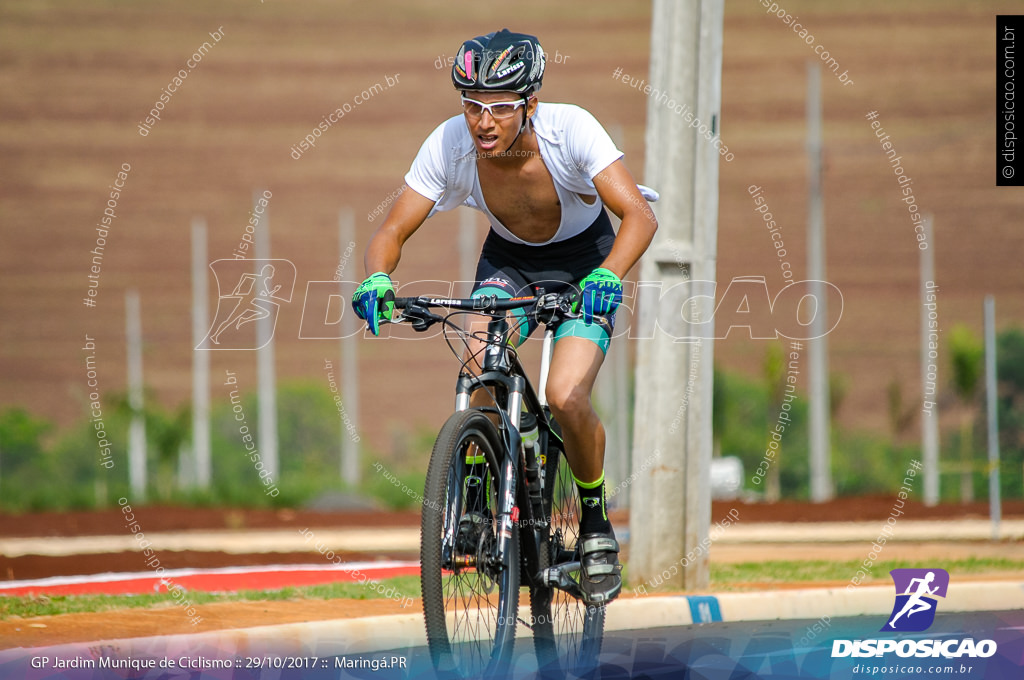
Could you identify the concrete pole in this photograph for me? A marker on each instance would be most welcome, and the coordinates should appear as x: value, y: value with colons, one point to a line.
x: 265, y: 357
x: 200, y: 359
x: 929, y: 390
x: 995, y: 508
x: 617, y: 448
x: 349, y: 379
x: 670, y: 511
x: 817, y: 346
x: 137, y: 428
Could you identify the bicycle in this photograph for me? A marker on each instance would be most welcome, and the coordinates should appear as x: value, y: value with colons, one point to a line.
x: 523, y: 523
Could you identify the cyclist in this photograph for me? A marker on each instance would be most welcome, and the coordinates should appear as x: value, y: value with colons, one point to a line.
x: 542, y: 173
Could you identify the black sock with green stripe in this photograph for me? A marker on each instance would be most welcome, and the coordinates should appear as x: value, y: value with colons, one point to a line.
x: 593, y: 513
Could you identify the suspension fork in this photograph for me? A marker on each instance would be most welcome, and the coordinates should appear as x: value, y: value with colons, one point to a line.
x: 509, y: 461
x: 508, y: 512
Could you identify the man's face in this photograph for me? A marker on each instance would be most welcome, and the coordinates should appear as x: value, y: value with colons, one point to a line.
x: 492, y: 133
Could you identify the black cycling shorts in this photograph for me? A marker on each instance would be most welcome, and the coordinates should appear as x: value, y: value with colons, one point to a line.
x: 508, y: 269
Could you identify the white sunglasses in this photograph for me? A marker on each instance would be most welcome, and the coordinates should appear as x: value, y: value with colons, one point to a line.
x: 497, y: 110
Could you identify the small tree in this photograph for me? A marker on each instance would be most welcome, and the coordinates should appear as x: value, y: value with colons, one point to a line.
x: 901, y: 415
x: 168, y: 433
x: 1010, y: 369
x: 774, y: 368
x: 967, y: 353
x: 23, y: 462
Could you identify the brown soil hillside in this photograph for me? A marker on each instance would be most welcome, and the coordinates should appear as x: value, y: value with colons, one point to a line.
x: 78, y: 78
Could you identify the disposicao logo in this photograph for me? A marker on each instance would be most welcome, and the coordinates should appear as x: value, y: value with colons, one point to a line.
x: 912, y: 612
x: 260, y: 288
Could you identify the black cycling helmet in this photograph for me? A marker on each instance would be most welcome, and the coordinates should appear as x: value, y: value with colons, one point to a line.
x: 502, y: 61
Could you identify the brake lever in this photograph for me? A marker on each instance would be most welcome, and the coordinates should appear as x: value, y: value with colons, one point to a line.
x: 556, y: 304
x: 547, y: 305
x: 566, y: 302
x: 420, y: 318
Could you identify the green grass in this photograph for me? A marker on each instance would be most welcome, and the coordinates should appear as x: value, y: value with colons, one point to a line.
x: 741, y: 576
x: 51, y: 605
x: 724, y: 577
x: 733, y: 576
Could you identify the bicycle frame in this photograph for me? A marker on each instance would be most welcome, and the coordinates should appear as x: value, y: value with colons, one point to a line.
x: 518, y: 499
x: 502, y: 368
x: 523, y: 543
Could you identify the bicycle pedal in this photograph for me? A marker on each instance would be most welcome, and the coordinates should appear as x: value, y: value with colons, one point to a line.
x: 558, y: 576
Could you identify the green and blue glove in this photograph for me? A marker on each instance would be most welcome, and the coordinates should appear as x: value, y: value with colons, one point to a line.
x: 367, y: 298
x: 601, y: 293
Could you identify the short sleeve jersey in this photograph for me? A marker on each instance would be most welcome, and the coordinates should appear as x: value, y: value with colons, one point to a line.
x: 574, y: 148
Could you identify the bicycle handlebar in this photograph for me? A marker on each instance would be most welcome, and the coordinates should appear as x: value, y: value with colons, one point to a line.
x: 485, y: 304
x: 417, y: 309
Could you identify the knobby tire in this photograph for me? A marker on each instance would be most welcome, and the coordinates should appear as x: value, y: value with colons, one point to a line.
x: 567, y: 633
x: 470, y: 628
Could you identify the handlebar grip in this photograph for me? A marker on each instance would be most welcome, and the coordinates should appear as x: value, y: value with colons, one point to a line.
x: 389, y: 296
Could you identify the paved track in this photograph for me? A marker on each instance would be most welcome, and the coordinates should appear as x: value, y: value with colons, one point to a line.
x: 769, y: 650
x: 651, y: 636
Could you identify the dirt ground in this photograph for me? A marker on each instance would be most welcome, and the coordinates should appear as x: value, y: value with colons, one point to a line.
x: 161, y: 519
x: 166, y: 518
x: 166, y: 620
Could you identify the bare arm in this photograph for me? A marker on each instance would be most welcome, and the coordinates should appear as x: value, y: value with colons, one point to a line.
x: 617, y: 188
x: 405, y: 217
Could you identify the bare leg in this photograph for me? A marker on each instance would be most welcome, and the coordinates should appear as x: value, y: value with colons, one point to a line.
x: 574, y: 368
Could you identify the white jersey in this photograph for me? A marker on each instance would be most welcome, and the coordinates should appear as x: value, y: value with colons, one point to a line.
x: 574, y: 148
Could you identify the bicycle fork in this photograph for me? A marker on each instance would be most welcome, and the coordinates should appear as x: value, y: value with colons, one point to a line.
x: 507, y: 511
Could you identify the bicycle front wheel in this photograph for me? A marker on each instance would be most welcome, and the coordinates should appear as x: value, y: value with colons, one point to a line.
x: 470, y: 595
x: 567, y: 633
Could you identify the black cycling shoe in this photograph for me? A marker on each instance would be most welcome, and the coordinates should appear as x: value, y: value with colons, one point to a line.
x: 471, y: 526
x: 600, y: 579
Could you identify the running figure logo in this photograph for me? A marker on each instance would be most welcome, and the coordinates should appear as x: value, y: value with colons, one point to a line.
x: 914, y: 610
x: 260, y: 287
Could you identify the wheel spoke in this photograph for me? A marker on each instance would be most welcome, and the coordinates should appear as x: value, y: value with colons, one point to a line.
x: 569, y: 634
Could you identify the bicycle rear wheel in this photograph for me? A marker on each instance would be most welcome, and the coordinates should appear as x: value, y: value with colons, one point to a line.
x: 470, y: 597
x: 567, y: 633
